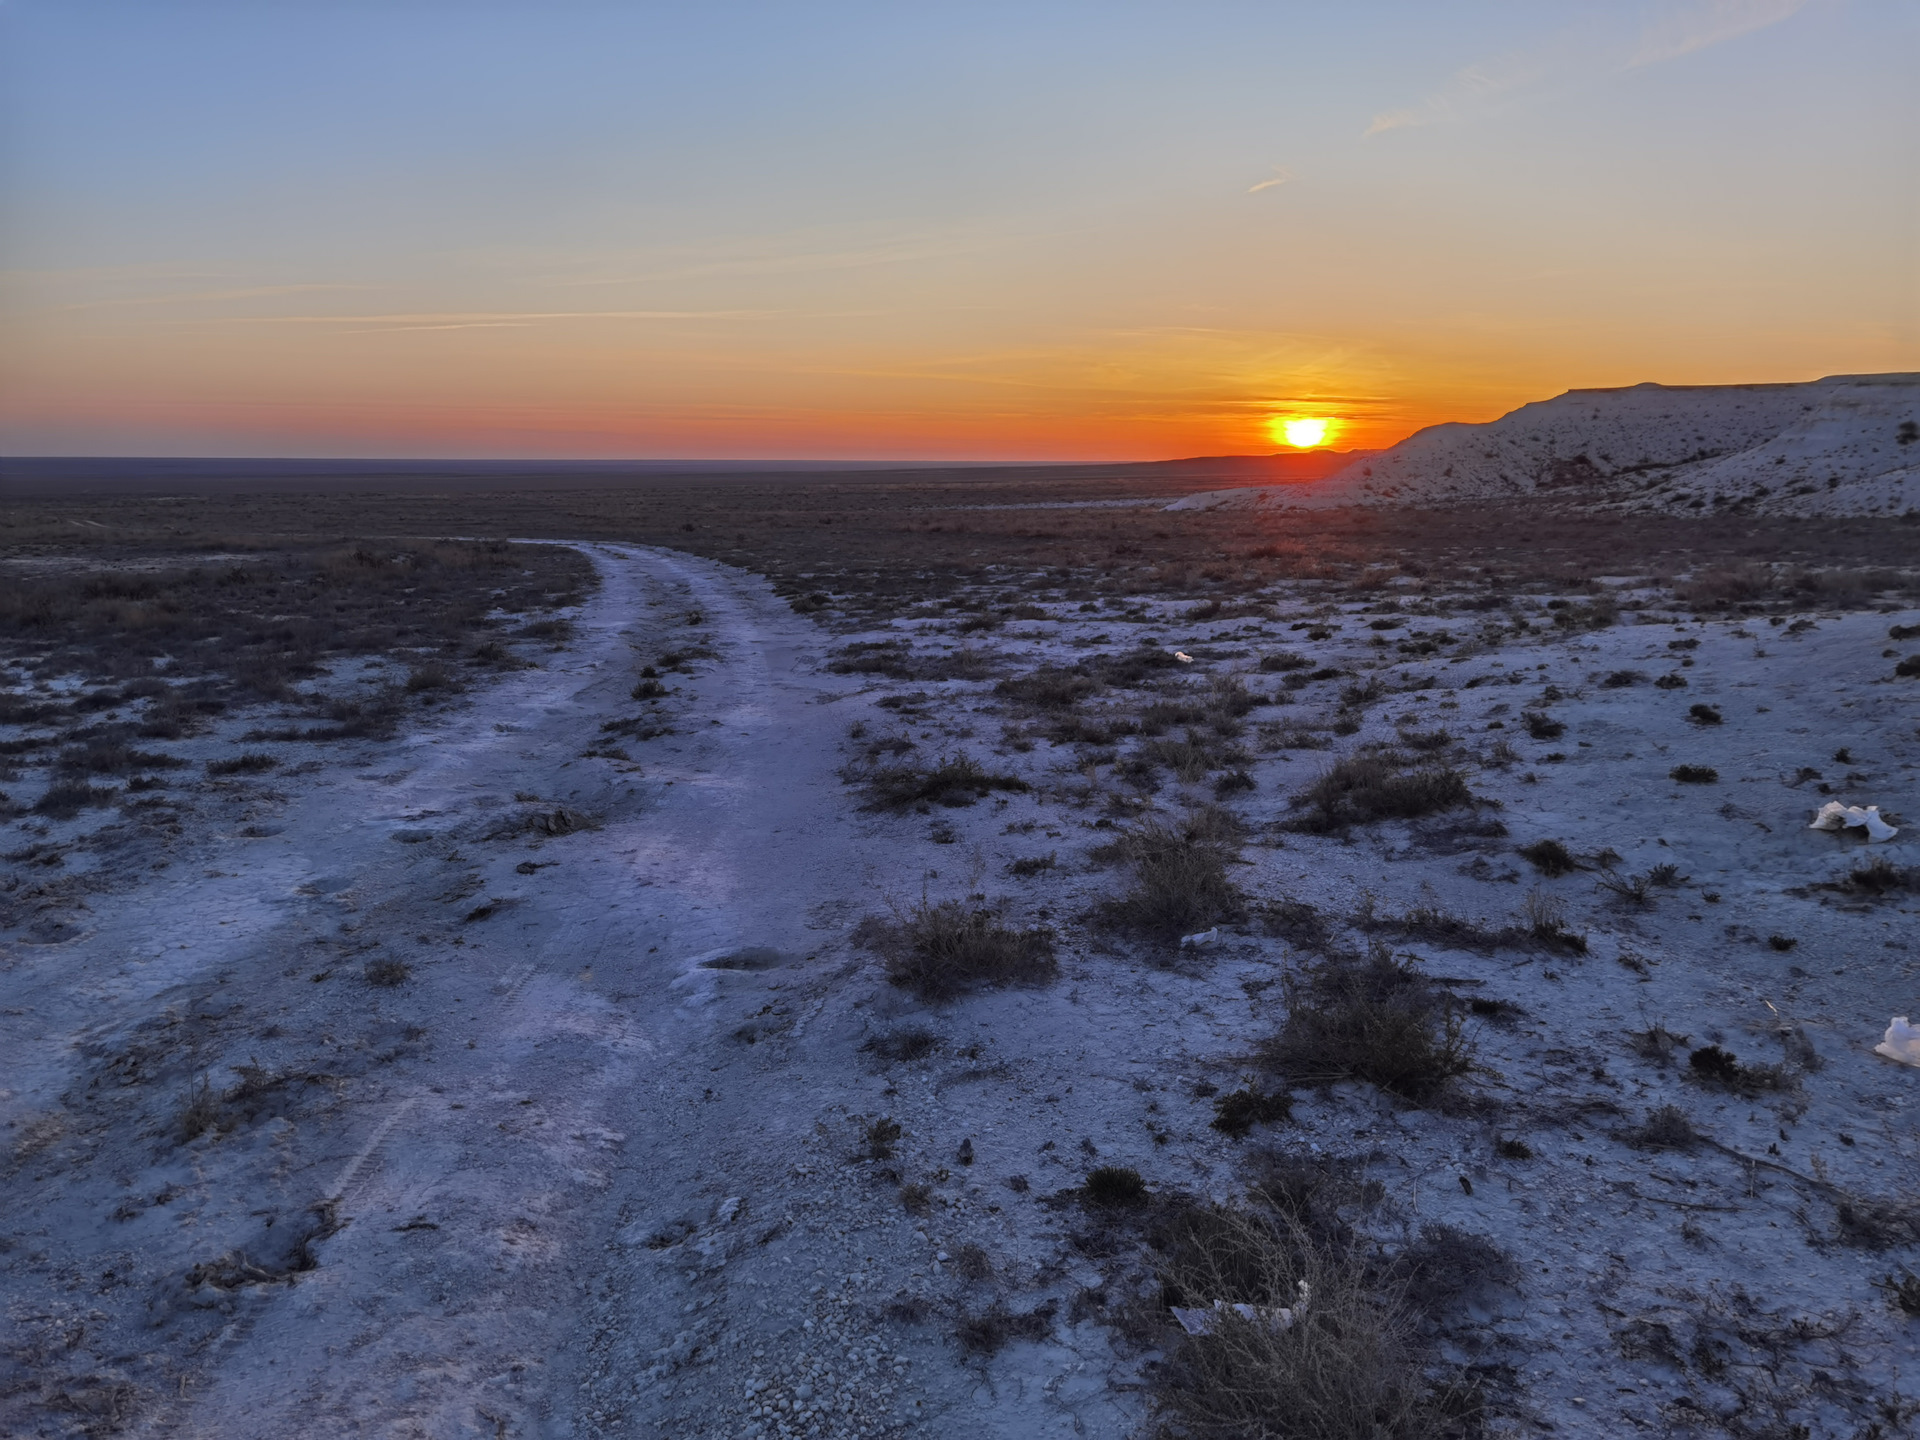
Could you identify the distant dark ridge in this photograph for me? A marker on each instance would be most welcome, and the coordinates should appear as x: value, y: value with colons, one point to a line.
x: 58, y: 476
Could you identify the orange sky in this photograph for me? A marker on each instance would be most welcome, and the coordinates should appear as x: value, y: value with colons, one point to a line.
x: 994, y: 236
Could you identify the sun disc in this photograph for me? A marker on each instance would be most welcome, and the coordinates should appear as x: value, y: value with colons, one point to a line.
x: 1305, y: 432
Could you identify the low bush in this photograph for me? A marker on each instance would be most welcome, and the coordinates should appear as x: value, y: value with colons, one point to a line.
x: 253, y: 762
x: 1550, y: 857
x: 387, y: 971
x: 1180, y: 882
x: 957, y: 781
x: 1542, y: 727
x: 1237, y: 1113
x: 1704, y: 715
x: 940, y: 950
x: 1049, y: 688
x: 67, y: 799
x: 1666, y: 1128
x: 985, y: 1334
x: 1362, y: 789
x: 1369, y: 1017
x: 1693, y: 774
x: 1344, y: 1368
x: 1112, y: 1186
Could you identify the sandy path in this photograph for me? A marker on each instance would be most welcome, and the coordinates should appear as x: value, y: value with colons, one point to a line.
x: 487, y: 1127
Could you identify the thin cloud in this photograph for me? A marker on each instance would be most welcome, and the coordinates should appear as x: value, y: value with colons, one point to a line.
x: 1279, y: 177
x: 475, y: 318
x: 1584, y: 54
x: 1708, y: 22
x: 251, y: 293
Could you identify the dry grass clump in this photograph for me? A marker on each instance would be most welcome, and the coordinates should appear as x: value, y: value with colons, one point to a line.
x: 1666, y: 1128
x: 253, y: 762
x: 1369, y: 1017
x: 941, y: 950
x: 1114, y: 1187
x: 1344, y: 1369
x: 1049, y: 688
x: 1180, y: 882
x: 1379, y: 785
x: 1550, y: 857
x: 1238, y: 1112
x: 1880, y: 876
x: 1693, y: 774
x: 387, y: 971
x: 985, y: 1334
x: 956, y: 781
x: 68, y: 798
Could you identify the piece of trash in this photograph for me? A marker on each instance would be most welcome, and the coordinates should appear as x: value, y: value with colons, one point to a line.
x: 1902, y: 1042
x: 1183, y: 657
x: 1205, y: 937
x: 1200, y: 1320
x: 1835, y: 816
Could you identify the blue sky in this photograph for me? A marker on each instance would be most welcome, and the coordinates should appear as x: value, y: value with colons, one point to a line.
x: 964, y: 231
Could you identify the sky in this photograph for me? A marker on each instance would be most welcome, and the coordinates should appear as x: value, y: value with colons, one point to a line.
x: 1033, y: 230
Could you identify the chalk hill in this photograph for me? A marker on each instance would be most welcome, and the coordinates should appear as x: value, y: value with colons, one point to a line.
x: 1845, y: 445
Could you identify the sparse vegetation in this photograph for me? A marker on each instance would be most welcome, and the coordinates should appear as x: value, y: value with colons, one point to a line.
x: 1550, y: 857
x: 1379, y: 785
x: 1113, y: 1186
x: 938, y: 950
x: 1369, y: 1017
x: 955, y: 782
x: 1180, y: 882
x: 1666, y: 1128
x: 1238, y: 1112
x: 1693, y: 774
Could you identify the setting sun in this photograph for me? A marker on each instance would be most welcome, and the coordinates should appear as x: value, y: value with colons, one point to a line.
x: 1302, y: 432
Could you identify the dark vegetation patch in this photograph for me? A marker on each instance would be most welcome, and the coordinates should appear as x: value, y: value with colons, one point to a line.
x: 1693, y: 774
x: 955, y: 782
x: 1180, y: 882
x: 1666, y: 1128
x: 251, y: 616
x: 253, y: 762
x: 1880, y: 877
x: 944, y: 949
x: 1550, y: 857
x: 1237, y: 1112
x: 985, y: 1333
x: 911, y: 1042
x: 1369, y: 1017
x: 1378, y: 785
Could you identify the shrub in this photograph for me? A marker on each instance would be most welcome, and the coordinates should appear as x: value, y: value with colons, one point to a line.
x: 1703, y: 715
x: 1693, y: 774
x: 1345, y: 1370
x: 915, y: 1042
x: 1713, y: 1065
x: 1112, y: 1186
x: 1620, y: 679
x: 1049, y: 688
x: 1237, y: 1113
x: 956, y: 781
x: 68, y: 798
x: 429, y: 677
x: 1671, y: 682
x: 940, y: 950
x: 1369, y: 1017
x: 1281, y: 661
x: 1031, y: 865
x: 1880, y: 876
x: 254, y: 762
x: 1446, y: 1265
x: 1666, y: 1128
x: 1362, y: 789
x: 1549, y: 857
x: 985, y: 1334
x: 1180, y: 882
x: 386, y: 971
x: 1908, y: 667
x: 1542, y: 727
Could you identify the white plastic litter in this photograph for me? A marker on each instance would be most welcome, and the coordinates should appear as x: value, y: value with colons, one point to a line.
x: 1835, y: 816
x: 1205, y: 937
x: 1200, y: 1320
x: 1183, y: 657
x: 1902, y: 1042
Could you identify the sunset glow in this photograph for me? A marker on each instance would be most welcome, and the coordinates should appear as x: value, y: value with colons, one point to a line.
x: 1302, y: 432
x: 658, y: 232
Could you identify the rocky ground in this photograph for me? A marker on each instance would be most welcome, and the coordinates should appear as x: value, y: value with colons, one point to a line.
x: 533, y: 1073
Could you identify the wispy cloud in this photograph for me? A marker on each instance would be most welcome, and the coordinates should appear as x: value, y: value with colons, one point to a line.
x: 1703, y: 23
x: 469, y: 320
x: 1583, y: 53
x: 253, y: 292
x: 1279, y: 177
